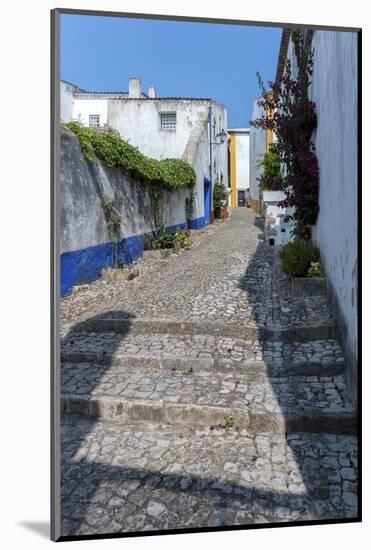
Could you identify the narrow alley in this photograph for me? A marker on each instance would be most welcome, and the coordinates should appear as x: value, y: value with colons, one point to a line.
x: 202, y: 393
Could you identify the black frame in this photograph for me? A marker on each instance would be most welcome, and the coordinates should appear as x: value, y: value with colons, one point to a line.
x: 55, y: 272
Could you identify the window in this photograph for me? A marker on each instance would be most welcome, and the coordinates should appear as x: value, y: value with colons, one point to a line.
x: 168, y: 121
x: 94, y: 121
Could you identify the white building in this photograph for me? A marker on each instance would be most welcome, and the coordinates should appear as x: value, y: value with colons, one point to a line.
x: 334, y: 90
x: 239, y: 166
x: 258, y: 146
x: 278, y: 221
x: 193, y: 129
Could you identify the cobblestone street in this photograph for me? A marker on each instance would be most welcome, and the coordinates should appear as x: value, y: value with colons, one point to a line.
x: 201, y: 393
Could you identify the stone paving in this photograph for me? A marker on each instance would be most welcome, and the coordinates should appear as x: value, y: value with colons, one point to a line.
x: 230, y: 275
x: 139, y: 473
x: 278, y: 394
x: 150, y: 477
x: 235, y: 350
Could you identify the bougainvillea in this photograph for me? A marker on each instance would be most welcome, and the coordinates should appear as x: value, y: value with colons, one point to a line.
x: 292, y: 117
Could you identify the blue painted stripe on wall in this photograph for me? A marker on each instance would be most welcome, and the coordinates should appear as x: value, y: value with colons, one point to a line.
x: 197, y: 223
x: 85, y: 265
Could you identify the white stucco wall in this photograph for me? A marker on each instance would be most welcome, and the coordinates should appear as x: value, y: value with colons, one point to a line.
x: 219, y: 151
x: 278, y: 222
x: 139, y: 122
x: 242, y: 160
x: 83, y: 108
x: 201, y: 165
x: 66, y: 99
x: 334, y: 90
x: 257, y: 150
x: 83, y: 185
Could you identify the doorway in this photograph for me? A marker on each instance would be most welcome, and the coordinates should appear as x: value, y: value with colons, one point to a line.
x: 207, y: 200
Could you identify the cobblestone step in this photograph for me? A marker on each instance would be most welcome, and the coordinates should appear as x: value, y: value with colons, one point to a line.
x: 143, y: 476
x: 136, y: 326
x: 266, y: 404
x: 143, y: 362
x: 204, y: 350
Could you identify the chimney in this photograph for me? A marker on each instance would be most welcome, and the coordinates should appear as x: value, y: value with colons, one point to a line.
x: 151, y: 91
x: 134, y: 87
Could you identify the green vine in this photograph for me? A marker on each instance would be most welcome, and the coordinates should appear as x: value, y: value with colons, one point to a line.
x: 170, y: 174
x: 112, y: 213
x: 189, y: 208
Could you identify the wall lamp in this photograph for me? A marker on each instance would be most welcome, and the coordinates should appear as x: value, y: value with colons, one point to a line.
x: 223, y: 136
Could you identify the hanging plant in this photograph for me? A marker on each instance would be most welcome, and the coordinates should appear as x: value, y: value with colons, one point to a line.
x: 292, y: 117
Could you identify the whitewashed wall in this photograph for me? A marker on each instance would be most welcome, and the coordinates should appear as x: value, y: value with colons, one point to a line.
x: 201, y: 164
x: 219, y: 151
x: 334, y: 90
x: 86, y: 245
x: 83, y: 108
x: 66, y: 95
x: 257, y: 150
x: 85, y: 184
x: 242, y: 160
x: 139, y: 123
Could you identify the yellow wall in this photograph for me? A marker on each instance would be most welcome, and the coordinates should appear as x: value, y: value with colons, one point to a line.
x: 232, y: 149
x: 255, y: 205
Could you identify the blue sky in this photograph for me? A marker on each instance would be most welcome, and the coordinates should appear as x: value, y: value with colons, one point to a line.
x: 179, y: 58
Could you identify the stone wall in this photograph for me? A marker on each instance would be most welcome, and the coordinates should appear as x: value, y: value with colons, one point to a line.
x: 86, y: 246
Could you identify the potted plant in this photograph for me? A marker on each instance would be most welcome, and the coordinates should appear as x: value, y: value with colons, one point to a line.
x: 220, y: 194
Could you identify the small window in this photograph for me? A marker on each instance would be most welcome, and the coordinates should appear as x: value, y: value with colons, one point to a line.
x: 168, y: 121
x: 94, y: 121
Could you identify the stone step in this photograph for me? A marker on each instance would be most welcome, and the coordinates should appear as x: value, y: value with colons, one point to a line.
x: 143, y: 362
x: 265, y: 404
x: 136, y: 326
x: 207, y: 352
x: 146, y: 477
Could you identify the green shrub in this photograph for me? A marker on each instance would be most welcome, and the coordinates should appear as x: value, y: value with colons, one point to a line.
x: 220, y: 193
x: 182, y: 237
x: 170, y: 174
x: 315, y: 270
x: 271, y: 178
x: 297, y: 257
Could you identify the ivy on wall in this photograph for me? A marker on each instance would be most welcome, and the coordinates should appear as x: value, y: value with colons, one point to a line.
x: 292, y: 118
x: 169, y: 174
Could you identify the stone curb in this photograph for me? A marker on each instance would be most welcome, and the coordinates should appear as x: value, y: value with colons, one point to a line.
x: 217, y: 365
x: 211, y: 328
x: 154, y: 411
x: 122, y: 411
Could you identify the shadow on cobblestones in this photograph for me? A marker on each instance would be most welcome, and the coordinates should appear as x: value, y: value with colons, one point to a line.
x: 125, y: 478
x: 68, y: 453
x: 121, y: 499
x: 313, y: 398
